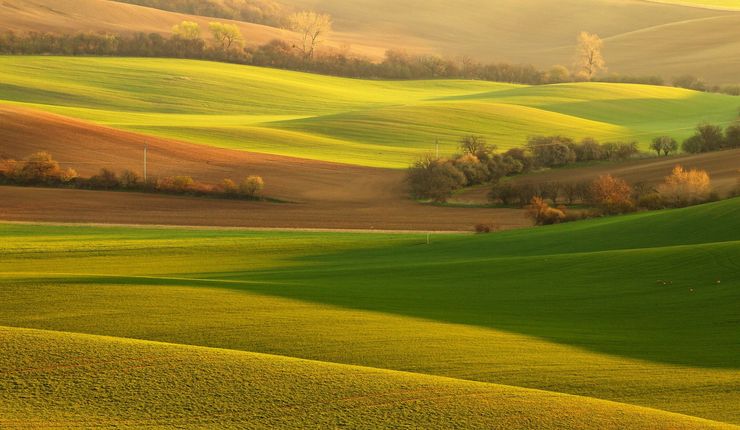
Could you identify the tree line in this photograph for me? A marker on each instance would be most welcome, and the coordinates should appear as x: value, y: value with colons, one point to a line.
x: 228, y: 45
x: 610, y: 195
x: 477, y: 162
x: 40, y: 169
x: 266, y: 12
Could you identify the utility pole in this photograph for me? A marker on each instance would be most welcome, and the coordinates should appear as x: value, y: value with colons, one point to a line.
x: 436, y: 145
x: 145, y: 148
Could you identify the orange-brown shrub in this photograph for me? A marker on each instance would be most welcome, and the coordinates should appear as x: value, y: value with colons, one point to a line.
x: 543, y: 214
x: 483, y: 228
x: 611, y: 195
x: 684, y: 187
x: 251, y: 186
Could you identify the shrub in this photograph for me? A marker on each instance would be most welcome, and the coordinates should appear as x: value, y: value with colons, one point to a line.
x: 552, y: 151
x: 228, y: 187
x: 484, y: 228
x: 588, y: 150
x: 664, y: 145
x: 684, y: 187
x: 522, y: 156
x: 475, y: 172
x: 506, y: 192
x: 9, y: 169
x: 732, y: 135
x: 575, y: 191
x: 651, y: 201
x: 436, y: 179
x: 550, y: 191
x: 176, y: 184
x: 542, y: 214
x: 526, y: 192
x: 105, y: 179
x: 475, y: 145
x: 625, y: 150
x: 251, y: 186
x: 40, y: 167
x: 129, y: 179
x: 706, y: 138
x: 611, y: 195
x: 68, y: 175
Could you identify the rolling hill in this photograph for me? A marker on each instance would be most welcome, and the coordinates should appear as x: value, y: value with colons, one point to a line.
x: 644, y: 38
x: 369, y: 123
x: 552, y: 309
x: 230, y: 389
x: 640, y: 37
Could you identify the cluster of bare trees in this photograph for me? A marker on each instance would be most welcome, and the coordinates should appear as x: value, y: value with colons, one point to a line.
x: 267, y: 12
x: 478, y: 162
x: 709, y: 138
x: 40, y: 169
x: 604, y: 195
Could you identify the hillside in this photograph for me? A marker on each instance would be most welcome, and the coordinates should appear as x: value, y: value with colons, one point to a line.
x: 550, y: 308
x: 644, y: 38
x: 321, y: 194
x: 271, y: 391
x: 712, y: 4
x: 369, y: 123
x: 641, y: 37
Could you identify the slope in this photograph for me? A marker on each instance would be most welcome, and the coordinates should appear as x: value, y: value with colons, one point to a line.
x: 372, y: 123
x: 641, y: 37
x: 322, y: 194
x: 643, y: 304
x: 162, y: 385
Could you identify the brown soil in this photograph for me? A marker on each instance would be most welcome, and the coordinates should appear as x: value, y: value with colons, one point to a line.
x: 322, y: 195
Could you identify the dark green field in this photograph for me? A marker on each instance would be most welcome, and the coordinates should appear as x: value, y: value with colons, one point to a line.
x: 640, y: 310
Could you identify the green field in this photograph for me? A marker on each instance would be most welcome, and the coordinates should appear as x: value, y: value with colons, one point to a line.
x: 374, y: 123
x: 640, y: 310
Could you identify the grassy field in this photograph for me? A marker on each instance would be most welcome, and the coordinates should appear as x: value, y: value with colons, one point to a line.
x: 639, y: 309
x: 372, y: 123
x: 230, y: 389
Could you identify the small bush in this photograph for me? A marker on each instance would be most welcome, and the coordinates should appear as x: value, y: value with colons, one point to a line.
x: 228, y: 187
x: 484, y: 228
x: 105, y: 179
x: 542, y: 214
x: 652, y: 201
x: 611, y: 195
x: 251, y: 186
x: 129, y: 179
x: 685, y: 187
x: 436, y: 179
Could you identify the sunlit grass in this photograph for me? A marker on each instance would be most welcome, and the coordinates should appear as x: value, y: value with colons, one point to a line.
x: 374, y: 123
x: 631, y: 309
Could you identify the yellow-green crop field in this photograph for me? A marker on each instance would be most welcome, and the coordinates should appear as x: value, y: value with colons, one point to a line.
x: 621, y: 322
x: 372, y: 123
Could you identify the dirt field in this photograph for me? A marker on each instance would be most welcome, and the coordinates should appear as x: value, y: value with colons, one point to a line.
x: 322, y: 195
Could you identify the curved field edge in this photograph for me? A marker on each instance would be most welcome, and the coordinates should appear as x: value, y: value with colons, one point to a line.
x: 552, y: 308
x: 363, y: 122
x: 53, y: 378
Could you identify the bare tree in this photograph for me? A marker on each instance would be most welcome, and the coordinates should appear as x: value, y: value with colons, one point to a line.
x: 312, y: 27
x: 589, y: 60
x: 226, y: 34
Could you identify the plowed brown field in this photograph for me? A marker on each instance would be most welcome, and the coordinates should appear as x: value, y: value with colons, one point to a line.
x: 321, y: 194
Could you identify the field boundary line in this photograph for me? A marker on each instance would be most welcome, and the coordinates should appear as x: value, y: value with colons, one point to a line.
x: 234, y: 228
